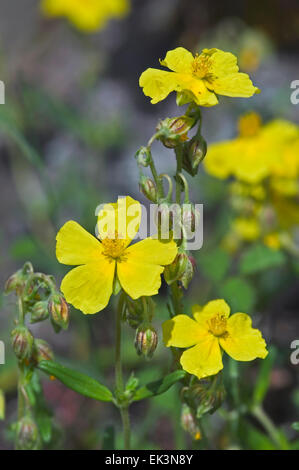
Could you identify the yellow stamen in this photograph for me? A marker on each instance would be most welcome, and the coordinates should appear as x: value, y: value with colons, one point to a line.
x: 201, y: 66
x: 217, y: 325
x: 114, y: 248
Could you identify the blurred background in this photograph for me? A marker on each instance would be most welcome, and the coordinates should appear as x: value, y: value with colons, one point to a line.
x: 73, y: 120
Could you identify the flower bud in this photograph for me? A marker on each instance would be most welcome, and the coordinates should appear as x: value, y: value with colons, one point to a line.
x: 42, y: 351
x: 188, y: 274
x: 39, y: 311
x: 143, y: 156
x: 27, y: 434
x: 195, y: 152
x: 22, y: 342
x: 190, y: 218
x: 16, y: 282
x: 206, y: 398
x: 134, y: 311
x: 148, y: 188
x: 174, y: 131
x: 175, y: 270
x: 146, y: 340
x: 59, y: 310
x: 189, y: 424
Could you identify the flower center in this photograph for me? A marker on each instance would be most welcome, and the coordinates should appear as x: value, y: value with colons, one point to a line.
x: 114, y: 247
x: 249, y: 125
x: 201, y: 66
x: 217, y: 325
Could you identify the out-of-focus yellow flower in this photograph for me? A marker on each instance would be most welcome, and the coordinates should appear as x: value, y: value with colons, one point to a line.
x: 211, y: 331
x: 257, y: 153
x: 247, y: 228
x: 272, y: 240
x: 86, y: 15
x: 138, y: 267
x: 199, y: 79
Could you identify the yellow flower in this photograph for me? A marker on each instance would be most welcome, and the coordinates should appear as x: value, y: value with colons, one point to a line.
x: 257, y: 153
x: 86, y: 15
x: 138, y: 267
x: 211, y: 331
x: 247, y: 228
x: 199, y: 79
x: 272, y: 240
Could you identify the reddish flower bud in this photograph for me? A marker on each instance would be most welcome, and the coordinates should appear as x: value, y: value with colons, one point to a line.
x: 22, y: 343
x: 59, y: 310
x: 146, y: 340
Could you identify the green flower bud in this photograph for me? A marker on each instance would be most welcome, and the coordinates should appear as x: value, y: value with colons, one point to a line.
x: 133, y: 312
x: 42, y: 351
x: 27, y: 434
x: 175, y: 270
x: 206, y: 398
x: 174, y: 131
x: 143, y: 156
x: 39, y: 311
x: 146, y: 340
x: 190, y: 218
x: 59, y: 310
x: 148, y: 188
x: 189, y: 424
x: 194, y: 153
x: 187, y: 277
x: 22, y: 343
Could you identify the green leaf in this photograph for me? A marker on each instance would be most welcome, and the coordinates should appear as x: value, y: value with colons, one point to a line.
x: 215, y: 264
x: 77, y: 381
x: 263, y: 379
x: 44, y: 422
x: 239, y: 293
x: 159, y: 386
x: 259, y: 258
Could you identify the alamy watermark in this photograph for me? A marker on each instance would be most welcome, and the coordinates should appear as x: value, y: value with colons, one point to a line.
x: 2, y: 353
x: 2, y: 92
x: 164, y: 221
x: 295, y: 94
x: 294, y: 357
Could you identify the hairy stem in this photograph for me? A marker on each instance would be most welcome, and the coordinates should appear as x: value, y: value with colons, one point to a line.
x: 123, y: 406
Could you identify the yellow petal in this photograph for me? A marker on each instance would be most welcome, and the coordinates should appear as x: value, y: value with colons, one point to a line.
x: 120, y: 219
x: 76, y: 246
x: 152, y: 251
x: 243, y: 342
x: 157, y: 84
x: 178, y: 60
x: 222, y: 63
x: 181, y: 331
x: 89, y: 287
x: 204, y: 314
x: 234, y: 85
x: 138, y: 278
x: 204, y: 359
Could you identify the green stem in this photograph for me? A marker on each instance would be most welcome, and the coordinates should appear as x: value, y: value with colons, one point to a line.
x: 123, y: 406
x: 266, y: 422
x: 179, y: 159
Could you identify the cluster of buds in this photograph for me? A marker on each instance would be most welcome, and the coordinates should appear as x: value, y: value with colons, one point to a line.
x: 40, y: 297
x: 206, y: 396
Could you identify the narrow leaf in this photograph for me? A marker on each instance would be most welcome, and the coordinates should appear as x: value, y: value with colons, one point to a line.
x: 77, y: 381
x: 159, y: 386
